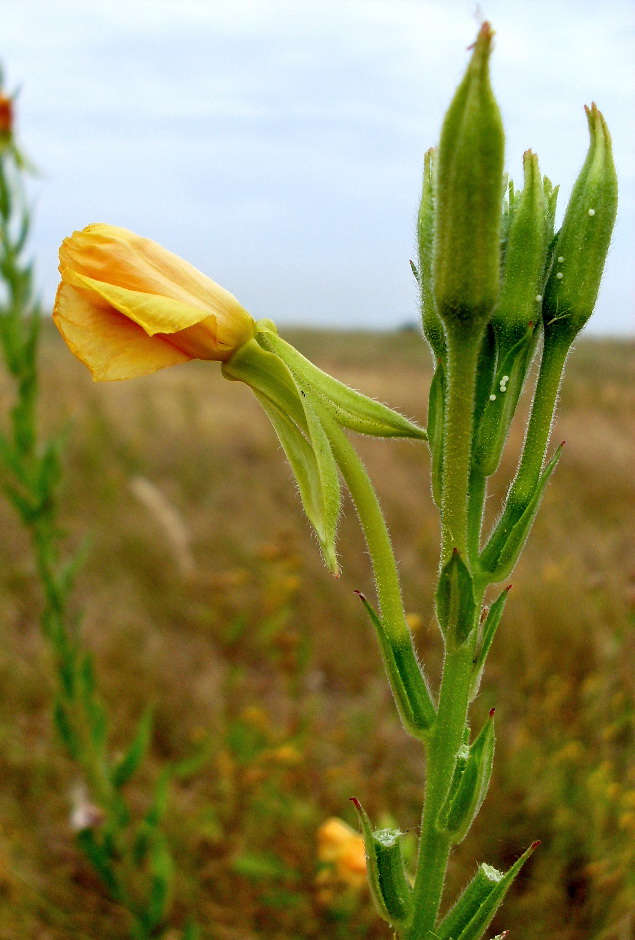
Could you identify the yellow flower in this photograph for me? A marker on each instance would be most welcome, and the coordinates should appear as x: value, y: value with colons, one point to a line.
x: 343, y: 849
x: 128, y: 307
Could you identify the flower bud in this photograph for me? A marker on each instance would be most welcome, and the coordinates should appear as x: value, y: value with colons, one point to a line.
x: 469, y: 190
x: 526, y: 248
x: 432, y: 325
x: 128, y: 307
x: 583, y: 240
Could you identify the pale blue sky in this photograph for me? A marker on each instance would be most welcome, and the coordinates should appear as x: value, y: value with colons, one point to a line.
x: 278, y: 144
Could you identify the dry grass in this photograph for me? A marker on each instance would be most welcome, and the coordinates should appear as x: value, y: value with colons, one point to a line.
x: 207, y: 598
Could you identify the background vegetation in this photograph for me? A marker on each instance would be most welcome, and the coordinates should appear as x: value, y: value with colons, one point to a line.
x: 203, y: 596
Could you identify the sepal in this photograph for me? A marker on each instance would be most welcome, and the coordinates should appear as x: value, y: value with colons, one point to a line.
x: 301, y: 435
x: 351, y: 409
x: 455, y: 604
x: 387, y: 879
x: 470, y: 784
x: 474, y: 911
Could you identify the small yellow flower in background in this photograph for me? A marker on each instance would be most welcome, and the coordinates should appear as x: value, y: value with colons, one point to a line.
x: 342, y: 848
x: 127, y: 307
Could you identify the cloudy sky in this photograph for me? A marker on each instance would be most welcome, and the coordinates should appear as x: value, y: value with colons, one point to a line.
x: 277, y: 144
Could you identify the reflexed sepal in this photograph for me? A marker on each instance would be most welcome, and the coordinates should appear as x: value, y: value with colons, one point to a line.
x: 387, y: 879
x: 455, y: 604
x: 506, y: 542
x: 436, y: 423
x: 490, y: 626
x: 301, y: 435
x: 474, y: 911
x: 407, y: 682
x: 470, y: 784
x: 351, y: 409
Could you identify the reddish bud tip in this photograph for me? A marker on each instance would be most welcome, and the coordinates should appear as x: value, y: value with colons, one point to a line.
x: 534, y: 845
x: 509, y: 587
x: 361, y: 596
x: 355, y: 802
x: 492, y: 712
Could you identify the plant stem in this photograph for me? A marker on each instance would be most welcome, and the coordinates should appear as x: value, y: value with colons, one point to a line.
x: 463, y: 350
x: 448, y: 732
x: 543, y: 408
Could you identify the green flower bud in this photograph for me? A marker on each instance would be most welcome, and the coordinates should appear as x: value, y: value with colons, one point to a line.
x: 526, y: 247
x: 469, y: 190
x: 583, y: 240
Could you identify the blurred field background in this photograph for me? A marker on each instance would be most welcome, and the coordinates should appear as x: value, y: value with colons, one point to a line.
x: 203, y: 594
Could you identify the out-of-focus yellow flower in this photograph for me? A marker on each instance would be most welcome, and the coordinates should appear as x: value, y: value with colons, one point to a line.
x: 342, y: 848
x: 128, y: 307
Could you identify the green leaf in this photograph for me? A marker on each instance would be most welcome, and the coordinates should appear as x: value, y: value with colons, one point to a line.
x: 470, y: 785
x: 407, y: 682
x: 99, y: 858
x: 506, y: 543
x: 492, y: 621
x: 133, y: 757
x: 474, y: 911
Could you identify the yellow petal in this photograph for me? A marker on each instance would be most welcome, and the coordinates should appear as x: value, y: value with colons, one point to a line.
x: 117, y: 256
x: 154, y: 313
x: 110, y: 345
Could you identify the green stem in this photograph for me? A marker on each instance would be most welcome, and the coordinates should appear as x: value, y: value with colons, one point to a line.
x: 449, y: 728
x: 463, y: 351
x: 543, y: 408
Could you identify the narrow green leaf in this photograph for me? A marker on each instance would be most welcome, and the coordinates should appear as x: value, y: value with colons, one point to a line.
x: 407, y: 682
x: 133, y: 757
x: 506, y: 543
x: 490, y: 626
x: 474, y: 911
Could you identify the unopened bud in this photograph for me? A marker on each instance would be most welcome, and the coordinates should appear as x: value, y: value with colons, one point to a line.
x: 583, y: 241
x: 469, y: 190
x: 524, y: 259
